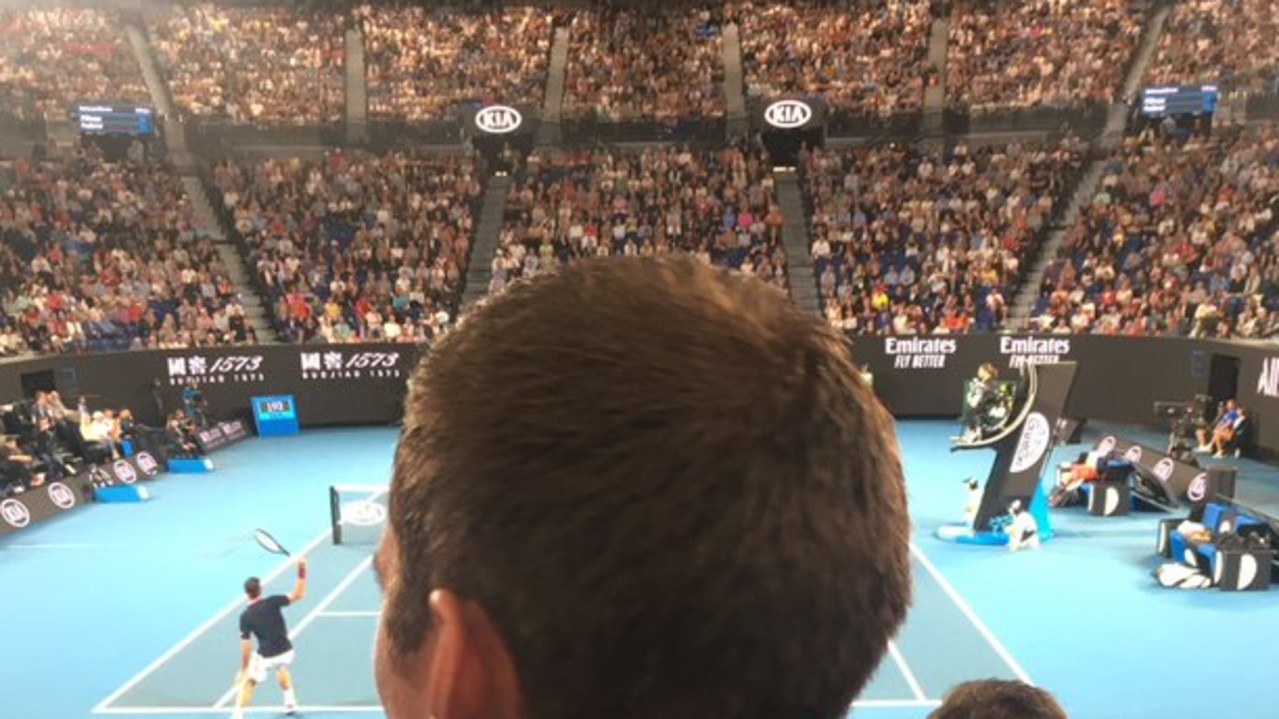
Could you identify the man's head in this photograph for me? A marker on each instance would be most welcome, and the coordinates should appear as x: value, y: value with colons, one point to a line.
x: 640, y: 488
x: 253, y: 587
x: 998, y: 699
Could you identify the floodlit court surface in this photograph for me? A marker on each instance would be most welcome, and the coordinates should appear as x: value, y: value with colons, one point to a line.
x: 132, y: 610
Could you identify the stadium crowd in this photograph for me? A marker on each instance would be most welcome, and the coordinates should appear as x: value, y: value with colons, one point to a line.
x: 253, y: 65
x: 1179, y: 239
x: 356, y: 248
x: 1053, y: 53
x: 628, y: 63
x: 1226, y: 41
x: 423, y: 64
x: 51, y: 58
x: 718, y: 205
x: 869, y: 61
x: 101, y: 255
x: 907, y: 240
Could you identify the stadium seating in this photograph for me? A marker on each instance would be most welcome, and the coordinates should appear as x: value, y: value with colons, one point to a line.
x: 718, y: 205
x: 356, y: 247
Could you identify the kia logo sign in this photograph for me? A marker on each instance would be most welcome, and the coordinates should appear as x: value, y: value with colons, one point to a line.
x: 498, y: 119
x: 15, y: 513
x: 788, y: 114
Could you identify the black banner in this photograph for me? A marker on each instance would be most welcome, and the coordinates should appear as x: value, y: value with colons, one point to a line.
x: 139, y: 467
x: 221, y: 434
x: 40, y: 503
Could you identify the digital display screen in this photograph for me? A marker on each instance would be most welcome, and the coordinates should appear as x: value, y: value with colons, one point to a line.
x: 1179, y: 100
x: 278, y: 407
x: 108, y: 118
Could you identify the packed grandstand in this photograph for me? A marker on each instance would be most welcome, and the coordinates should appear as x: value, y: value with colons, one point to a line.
x: 901, y: 219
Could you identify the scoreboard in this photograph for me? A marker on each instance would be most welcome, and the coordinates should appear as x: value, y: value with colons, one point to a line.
x: 111, y: 118
x: 1162, y: 101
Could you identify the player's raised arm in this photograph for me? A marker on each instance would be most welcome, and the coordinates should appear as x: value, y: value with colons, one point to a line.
x: 299, y: 587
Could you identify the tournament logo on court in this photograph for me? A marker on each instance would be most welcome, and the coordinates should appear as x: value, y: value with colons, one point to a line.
x: 1163, y: 469
x: 1198, y: 488
x: 124, y: 471
x: 1036, y: 435
x: 15, y: 513
x: 363, y: 514
x: 147, y: 464
x: 61, y: 495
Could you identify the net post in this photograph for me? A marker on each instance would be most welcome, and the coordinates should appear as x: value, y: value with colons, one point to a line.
x: 335, y: 513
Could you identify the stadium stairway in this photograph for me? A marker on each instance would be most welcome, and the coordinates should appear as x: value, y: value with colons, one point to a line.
x: 356, y: 109
x: 734, y: 98
x: 549, y: 132
x: 255, y: 313
x: 487, y: 235
x: 1118, y: 118
x: 799, y: 258
x: 174, y: 131
x: 1028, y: 296
x: 935, y: 95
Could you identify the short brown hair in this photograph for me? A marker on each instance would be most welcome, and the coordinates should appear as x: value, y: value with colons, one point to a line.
x: 998, y: 699
x: 669, y: 488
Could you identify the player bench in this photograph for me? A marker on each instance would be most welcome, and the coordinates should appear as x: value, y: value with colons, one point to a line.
x: 1230, y: 542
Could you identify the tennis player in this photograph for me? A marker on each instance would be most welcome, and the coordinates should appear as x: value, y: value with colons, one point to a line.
x: 264, y: 619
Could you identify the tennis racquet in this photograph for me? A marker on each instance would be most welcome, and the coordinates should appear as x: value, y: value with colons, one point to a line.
x: 269, y: 543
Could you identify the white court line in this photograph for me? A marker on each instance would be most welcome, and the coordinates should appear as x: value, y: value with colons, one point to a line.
x: 69, y: 545
x: 971, y: 615
x: 186, y: 641
x: 894, y: 703
x: 312, y: 615
x: 911, y: 680
x: 341, y: 614
x: 368, y: 708
x: 263, y: 709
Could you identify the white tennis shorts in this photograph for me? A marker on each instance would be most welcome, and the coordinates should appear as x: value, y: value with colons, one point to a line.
x: 260, y: 667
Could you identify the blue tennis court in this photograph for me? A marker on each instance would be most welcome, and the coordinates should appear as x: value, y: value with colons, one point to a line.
x: 134, y: 607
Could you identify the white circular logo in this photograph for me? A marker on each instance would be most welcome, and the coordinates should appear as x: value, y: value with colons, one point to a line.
x: 147, y: 464
x: 1198, y: 488
x: 61, y: 495
x: 1133, y: 454
x: 788, y: 114
x: 1106, y: 445
x: 1036, y: 435
x: 499, y: 119
x: 363, y: 514
x: 1163, y: 469
x: 15, y: 513
x: 124, y: 471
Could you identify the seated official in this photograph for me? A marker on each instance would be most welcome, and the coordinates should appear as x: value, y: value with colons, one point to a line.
x: 984, y: 407
x: 1222, y: 429
x: 16, y: 468
x: 1228, y: 439
x: 96, y: 430
x: 179, y: 436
